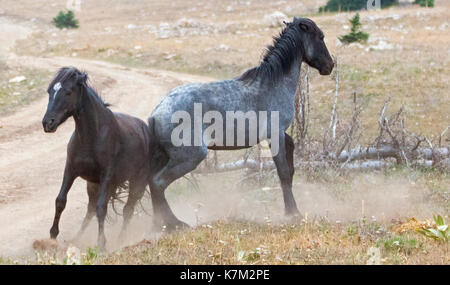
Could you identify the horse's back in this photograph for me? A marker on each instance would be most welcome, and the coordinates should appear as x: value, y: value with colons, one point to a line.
x: 134, y: 130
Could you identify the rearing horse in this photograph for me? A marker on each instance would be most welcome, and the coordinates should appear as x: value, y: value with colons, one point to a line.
x: 269, y: 87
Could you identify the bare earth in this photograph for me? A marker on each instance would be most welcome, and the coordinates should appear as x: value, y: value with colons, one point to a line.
x: 31, y: 161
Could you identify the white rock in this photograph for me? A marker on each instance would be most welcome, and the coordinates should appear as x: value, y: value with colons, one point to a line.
x: 17, y: 79
x: 382, y: 45
x: 358, y: 45
x: 374, y: 256
x: 110, y: 52
x: 224, y: 47
x: 170, y: 56
x: 275, y: 19
x: 73, y: 255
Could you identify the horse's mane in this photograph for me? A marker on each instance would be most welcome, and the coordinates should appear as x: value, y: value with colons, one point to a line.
x: 66, y: 73
x: 278, y: 57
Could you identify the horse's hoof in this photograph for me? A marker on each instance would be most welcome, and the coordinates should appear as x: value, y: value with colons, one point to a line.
x: 101, y: 248
x: 294, y: 215
x: 176, y: 226
x: 101, y: 244
x: 54, y: 233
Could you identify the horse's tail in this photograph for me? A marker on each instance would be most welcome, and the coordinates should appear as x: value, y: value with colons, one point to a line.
x: 158, y: 156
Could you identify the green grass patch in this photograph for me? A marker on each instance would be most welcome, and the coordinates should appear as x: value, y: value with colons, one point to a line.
x: 400, y: 244
x: 17, y: 94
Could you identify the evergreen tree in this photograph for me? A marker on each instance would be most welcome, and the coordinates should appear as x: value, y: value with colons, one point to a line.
x: 353, y: 5
x: 65, y: 20
x: 355, y: 35
x: 425, y: 3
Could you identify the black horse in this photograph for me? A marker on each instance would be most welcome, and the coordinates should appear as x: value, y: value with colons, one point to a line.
x: 107, y: 149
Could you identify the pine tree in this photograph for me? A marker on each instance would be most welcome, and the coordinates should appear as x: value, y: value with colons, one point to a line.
x: 65, y: 20
x: 355, y: 35
x: 425, y: 3
x: 353, y: 5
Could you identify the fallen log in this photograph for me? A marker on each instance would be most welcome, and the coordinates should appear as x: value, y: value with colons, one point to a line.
x: 389, y: 151
x: 358, y: 158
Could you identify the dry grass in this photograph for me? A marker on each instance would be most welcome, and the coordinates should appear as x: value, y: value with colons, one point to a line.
x: 319, y: 242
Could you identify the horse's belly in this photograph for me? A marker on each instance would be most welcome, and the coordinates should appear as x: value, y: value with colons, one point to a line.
x: 88, y: 170
x: 91, y: 175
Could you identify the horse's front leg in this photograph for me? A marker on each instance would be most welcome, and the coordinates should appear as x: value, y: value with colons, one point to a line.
x: 104, y: 195
x: 61, y: 200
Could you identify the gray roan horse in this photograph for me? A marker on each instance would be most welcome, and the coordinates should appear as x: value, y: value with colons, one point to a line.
x: 270, y: 87
x: 106, y: 149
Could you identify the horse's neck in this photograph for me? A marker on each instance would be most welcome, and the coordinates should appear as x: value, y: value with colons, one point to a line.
x: 91, y: 116
x: 290, y: 80
x: 283, y: 91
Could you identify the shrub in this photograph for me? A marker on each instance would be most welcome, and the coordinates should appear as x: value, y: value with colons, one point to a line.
x: 353, y: 5
x: 65, y: 20
x: 441, y: 233
x: 355, y: 34
x: 425, y: 3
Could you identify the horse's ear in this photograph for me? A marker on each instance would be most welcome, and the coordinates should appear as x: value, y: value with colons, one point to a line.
x: 303, y: 27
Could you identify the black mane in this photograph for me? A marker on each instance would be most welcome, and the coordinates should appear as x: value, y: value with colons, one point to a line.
x: 66, y: 73
x: 278, y: 57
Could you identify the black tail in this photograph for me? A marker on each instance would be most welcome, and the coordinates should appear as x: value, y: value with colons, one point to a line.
x: 158, y: 155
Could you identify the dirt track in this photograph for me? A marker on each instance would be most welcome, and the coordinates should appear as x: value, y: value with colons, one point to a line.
x: 32, y: 162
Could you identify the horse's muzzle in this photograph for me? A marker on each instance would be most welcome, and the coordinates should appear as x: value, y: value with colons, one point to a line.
x: 49, y: 125
x: 327, y: 70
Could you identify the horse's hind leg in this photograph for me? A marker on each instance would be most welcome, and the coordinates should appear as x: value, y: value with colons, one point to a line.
x: 182, y: 160
x: 137, y: 191
x: 105, y: 191
x: 92, y: 191
x: 61, y: 200
x: 285, y: 169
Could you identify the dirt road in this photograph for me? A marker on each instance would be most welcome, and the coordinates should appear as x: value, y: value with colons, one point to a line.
x: 32, y: 162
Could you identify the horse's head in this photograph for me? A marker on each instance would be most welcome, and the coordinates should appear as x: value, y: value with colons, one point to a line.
x: 64, y: 97
x: 315, y: 52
